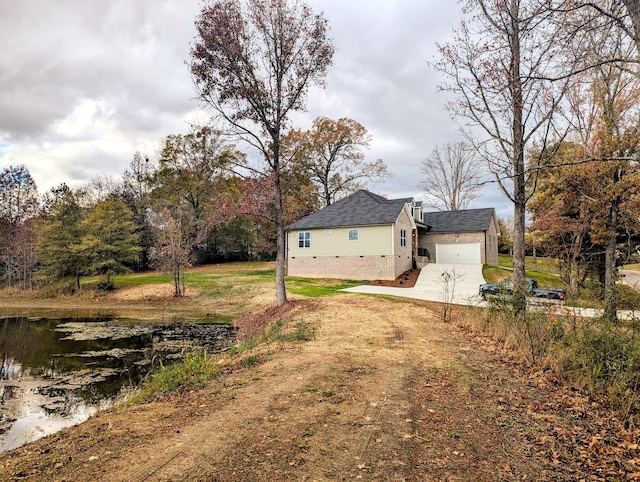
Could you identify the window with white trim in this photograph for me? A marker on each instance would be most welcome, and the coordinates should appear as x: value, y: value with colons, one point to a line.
x: 353, y: 235
x: 403, y: 237
x: 304, y: 239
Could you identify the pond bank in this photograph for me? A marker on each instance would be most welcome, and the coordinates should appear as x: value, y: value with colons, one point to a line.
x: 57, y: 372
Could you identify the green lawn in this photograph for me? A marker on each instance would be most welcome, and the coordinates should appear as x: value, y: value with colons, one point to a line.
x: 220, y: 279
x: 313, y: 287
x: 541, y: 265
x: 497, y: 273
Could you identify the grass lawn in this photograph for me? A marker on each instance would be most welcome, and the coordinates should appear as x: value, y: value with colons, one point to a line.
x: 234, y: 276
x: 545, y: 280
x: 538, y: 265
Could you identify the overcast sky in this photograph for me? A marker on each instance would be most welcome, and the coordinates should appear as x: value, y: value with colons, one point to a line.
x: 84, y: 85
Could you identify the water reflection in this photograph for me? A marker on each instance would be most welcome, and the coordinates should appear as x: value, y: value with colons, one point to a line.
x: 58, y: 372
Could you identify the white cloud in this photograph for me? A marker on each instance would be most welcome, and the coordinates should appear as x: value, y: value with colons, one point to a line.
x: 84, y: 85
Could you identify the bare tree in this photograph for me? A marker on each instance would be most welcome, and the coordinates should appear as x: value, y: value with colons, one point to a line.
x: 447, y: 281
x: 136, y: 179
x: 497, y: 69
x: 253, y: 62
x: 18, y: 195
x: 135, y: 192
x: 99, y: 188
x: 590, y: 16
x: 18, y: 210
x: 171, y: 252
x: 451, y: 177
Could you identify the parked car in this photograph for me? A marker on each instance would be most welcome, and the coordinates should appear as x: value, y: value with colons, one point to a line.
x: 533, y: 290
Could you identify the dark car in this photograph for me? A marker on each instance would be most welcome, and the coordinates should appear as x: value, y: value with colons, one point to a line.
x: 506, y: 287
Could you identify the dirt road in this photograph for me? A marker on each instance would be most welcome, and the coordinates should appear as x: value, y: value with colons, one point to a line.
x: 384, y: 392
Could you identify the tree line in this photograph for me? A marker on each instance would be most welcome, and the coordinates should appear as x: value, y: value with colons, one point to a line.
x: 197, y: 202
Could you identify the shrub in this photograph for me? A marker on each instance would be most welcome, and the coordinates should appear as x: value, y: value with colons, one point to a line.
x: 605, y: 358
x: 287, y: 331
x: 628, y: 298
x: 63, y: 287
x: 106, y: 285
x: 601, y: 356
x: 196, y: 368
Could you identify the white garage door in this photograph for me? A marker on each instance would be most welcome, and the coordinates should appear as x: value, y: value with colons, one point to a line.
x: 459, y: 253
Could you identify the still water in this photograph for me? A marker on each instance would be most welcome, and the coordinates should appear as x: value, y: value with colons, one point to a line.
x: 58, y: 372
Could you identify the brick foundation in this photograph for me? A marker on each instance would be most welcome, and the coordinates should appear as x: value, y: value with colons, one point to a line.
x: 349, y: 267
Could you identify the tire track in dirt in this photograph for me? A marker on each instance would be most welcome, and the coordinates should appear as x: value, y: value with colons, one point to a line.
x: 334, y: 408
x: 377, y: 423
x: 211, y: 438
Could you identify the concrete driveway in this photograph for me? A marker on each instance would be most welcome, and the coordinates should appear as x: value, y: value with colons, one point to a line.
x: 464, y: 280
x: 432, y: 285
x: 631, y: 278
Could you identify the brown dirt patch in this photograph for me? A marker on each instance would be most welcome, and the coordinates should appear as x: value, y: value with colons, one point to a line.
x: 384, y: 392
x: 405, y: 280
x: 254, y: 324
x: 149, y: 292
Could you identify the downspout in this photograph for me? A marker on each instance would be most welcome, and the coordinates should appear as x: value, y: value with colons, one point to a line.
x: 393, y: 237
x: 485, y: 248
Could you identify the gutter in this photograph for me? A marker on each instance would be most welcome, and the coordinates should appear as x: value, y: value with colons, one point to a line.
x: 286, y: 250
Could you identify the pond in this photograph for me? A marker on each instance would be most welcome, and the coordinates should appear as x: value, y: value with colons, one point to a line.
x: 58, y: 372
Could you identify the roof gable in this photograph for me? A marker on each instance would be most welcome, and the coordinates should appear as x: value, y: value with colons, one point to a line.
x: 468, y: 220
x: 362, y: 208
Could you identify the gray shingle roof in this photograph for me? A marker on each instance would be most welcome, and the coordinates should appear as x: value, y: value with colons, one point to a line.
x: 362, y: 208
x: 469, y: 220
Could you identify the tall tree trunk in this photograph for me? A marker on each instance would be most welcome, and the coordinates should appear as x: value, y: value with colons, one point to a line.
x: 281, y: 290
x: 519, y: 286
x: 176, y: 283
x: 633, y: 9
x: 519, y: 183
x: 573, y: 275
x: 610, y: 301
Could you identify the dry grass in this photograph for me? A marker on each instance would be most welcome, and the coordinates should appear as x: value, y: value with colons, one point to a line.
x: 382, y: 391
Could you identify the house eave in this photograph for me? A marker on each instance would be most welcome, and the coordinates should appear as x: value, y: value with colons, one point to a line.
x: 290, y: 228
